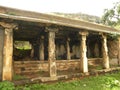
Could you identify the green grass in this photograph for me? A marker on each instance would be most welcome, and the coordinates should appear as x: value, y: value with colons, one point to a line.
x: 103, y: 82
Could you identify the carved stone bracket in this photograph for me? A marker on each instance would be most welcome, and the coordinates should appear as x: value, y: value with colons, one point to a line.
x: 104, y: 36
x: 68, y: 39
x: 8, y: 25
x: 84, y: 33
x: 50, y: 29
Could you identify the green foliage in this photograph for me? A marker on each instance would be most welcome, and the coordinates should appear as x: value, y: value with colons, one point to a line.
x: 112, y: 36
x: 111, y: 16
x: 23, y: 45
x: 6, y: 85
x: 111, y: 82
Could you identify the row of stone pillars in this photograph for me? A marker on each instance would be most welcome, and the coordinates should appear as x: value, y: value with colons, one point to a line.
x: 83, y: 59
x: 7, y: 70
x: 40, y: 53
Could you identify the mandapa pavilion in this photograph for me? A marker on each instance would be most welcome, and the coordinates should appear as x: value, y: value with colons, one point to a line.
x: 58, y: 44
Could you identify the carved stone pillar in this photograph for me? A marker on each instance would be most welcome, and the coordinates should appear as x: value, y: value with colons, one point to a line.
x: 32, y: 51
x: 1, y: 50
x: 68, y: 49
x: 83, y: 50
x: 41, y: 48
x: 8, y: 51
x: 105, y: 52
x: 51, y: 52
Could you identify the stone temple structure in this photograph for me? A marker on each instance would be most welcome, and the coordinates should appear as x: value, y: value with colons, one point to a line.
x: 57, y: 43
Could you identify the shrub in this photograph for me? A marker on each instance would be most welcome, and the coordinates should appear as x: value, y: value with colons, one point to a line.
x: 110, y: 82
x: 6, y: 85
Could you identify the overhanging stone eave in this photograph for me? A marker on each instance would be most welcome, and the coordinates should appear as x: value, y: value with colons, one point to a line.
x: 73, y: 23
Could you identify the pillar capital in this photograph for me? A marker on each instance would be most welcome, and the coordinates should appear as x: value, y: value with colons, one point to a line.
x: 42, y: 37
x: 8, y: 25
x: 85, y: 33
x: 103, y: 35
x: 68, y: 39
x: 51, y: 29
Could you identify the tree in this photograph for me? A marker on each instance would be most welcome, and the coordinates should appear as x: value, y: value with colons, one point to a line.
x: 111, y: 16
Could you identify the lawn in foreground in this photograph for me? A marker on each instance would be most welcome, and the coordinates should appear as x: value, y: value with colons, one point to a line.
x: 102, y: 82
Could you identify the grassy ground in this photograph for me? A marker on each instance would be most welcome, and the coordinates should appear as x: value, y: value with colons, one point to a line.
x: 102, y: 82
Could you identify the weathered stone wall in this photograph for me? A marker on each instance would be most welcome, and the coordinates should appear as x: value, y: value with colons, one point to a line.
x: 113, y: 51
x: 22, y: 67
x: 113, y: 48
x: 61, y: 51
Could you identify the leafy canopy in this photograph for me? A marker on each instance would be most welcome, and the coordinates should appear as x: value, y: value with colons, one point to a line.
x: 111, y: 16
